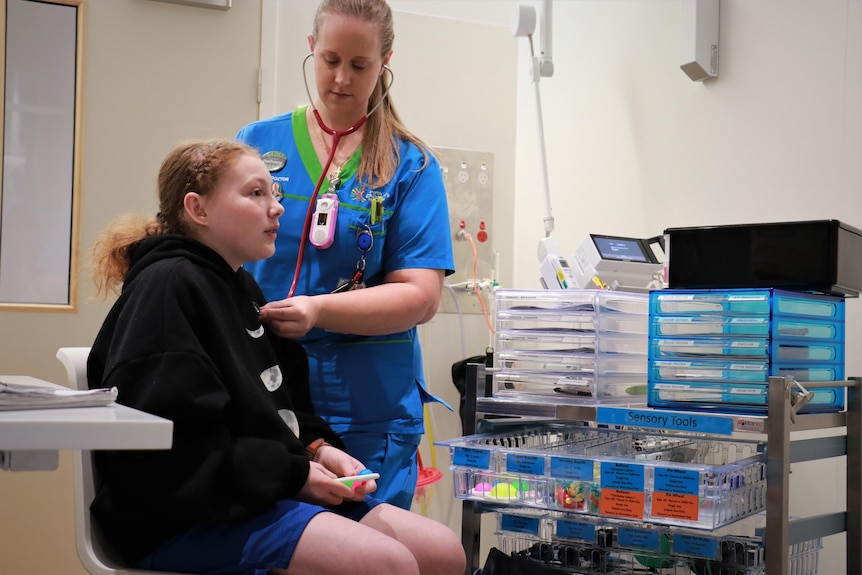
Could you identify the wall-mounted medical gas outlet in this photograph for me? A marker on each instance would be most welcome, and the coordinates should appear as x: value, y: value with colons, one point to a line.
x: 469, y: 179
x: 699, y: 38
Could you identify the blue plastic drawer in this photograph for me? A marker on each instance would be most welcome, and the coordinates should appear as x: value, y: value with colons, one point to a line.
x: 733, y: 397
x: 809, y: 305
x: 713, y: 370
x: 747, y: 301
x: 713, y: 301
x: 809, y: 372
x: 708, y: 325
x: 778, y: 326
x: 785, y: 351
x: 797, y: 328
x: 708, y: 370
x: 701, y: 347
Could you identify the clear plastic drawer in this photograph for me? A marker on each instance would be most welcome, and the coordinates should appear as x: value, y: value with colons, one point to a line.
x: 569, y: 387
x: 572, y: 323
x: 595, y: 544
x: 547, y: 341
x: 577, y: 363
x: 570, y: 342
x: 571, y: 301
x: 577, y: 311
x: 673, y: 480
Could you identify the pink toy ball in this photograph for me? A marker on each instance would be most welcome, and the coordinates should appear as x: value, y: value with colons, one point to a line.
x: 482, y: 489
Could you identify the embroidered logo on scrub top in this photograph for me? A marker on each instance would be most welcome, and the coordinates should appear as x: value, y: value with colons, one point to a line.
x: 361, y: 195
x: 356, y: 194
x: 271, y: 378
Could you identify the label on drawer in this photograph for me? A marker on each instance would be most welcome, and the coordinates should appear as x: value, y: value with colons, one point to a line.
x: 665, y: 420
x: 676, y: 480
x: 468, y: 457
x: 572, y: 469
x: 622, y: 476
x: 675, y: 506
x: 575, y: 530
x: 518, y: 463
x: 695, y: 546
x: 625, y: 504
x: 633, y: 537
x: 519, y: 524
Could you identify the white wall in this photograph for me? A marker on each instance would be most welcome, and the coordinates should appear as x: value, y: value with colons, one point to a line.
x: 635, y: 147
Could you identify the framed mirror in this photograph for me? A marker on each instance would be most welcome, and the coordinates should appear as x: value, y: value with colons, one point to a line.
x: 41, y: 124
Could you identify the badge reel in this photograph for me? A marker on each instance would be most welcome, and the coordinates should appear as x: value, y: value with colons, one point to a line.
x: 322, y: 233
x: 364, y: 242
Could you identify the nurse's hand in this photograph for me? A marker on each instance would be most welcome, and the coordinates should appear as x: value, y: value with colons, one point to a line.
x: 291, y: 318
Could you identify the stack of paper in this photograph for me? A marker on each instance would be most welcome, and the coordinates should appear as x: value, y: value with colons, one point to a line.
x: 20, y: 396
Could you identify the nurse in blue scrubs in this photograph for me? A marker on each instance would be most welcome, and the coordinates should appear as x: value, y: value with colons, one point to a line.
x: 364, y: 242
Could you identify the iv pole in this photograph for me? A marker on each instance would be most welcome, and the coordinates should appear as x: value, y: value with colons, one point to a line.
x: 542, y: 65
x: 524, y: 25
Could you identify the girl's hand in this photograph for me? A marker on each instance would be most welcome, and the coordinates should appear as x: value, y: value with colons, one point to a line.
x: 321, y: 487
x: 342, y: 464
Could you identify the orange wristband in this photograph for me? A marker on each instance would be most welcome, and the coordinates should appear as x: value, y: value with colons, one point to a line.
x: 312, y: 448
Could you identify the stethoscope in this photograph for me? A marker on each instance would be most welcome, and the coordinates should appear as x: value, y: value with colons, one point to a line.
x: 336, y: 138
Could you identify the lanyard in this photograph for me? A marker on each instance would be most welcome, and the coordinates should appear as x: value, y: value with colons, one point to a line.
x: 364, y: 242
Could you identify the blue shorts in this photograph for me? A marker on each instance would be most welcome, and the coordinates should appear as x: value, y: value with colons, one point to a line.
x: 393, y: 456
x: 247, y: 547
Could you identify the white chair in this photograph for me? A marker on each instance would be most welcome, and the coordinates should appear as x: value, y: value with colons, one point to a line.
x: 97, y: 555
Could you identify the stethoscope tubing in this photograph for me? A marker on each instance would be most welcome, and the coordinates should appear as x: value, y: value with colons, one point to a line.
x: 336, y: 138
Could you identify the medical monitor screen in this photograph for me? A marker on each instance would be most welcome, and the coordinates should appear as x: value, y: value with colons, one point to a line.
x: 620, y: 249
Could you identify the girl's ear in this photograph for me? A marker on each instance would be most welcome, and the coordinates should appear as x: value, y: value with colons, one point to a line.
x: 195, y: 208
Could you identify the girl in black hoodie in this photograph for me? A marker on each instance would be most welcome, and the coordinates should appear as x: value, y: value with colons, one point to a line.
x: 249, y: 485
